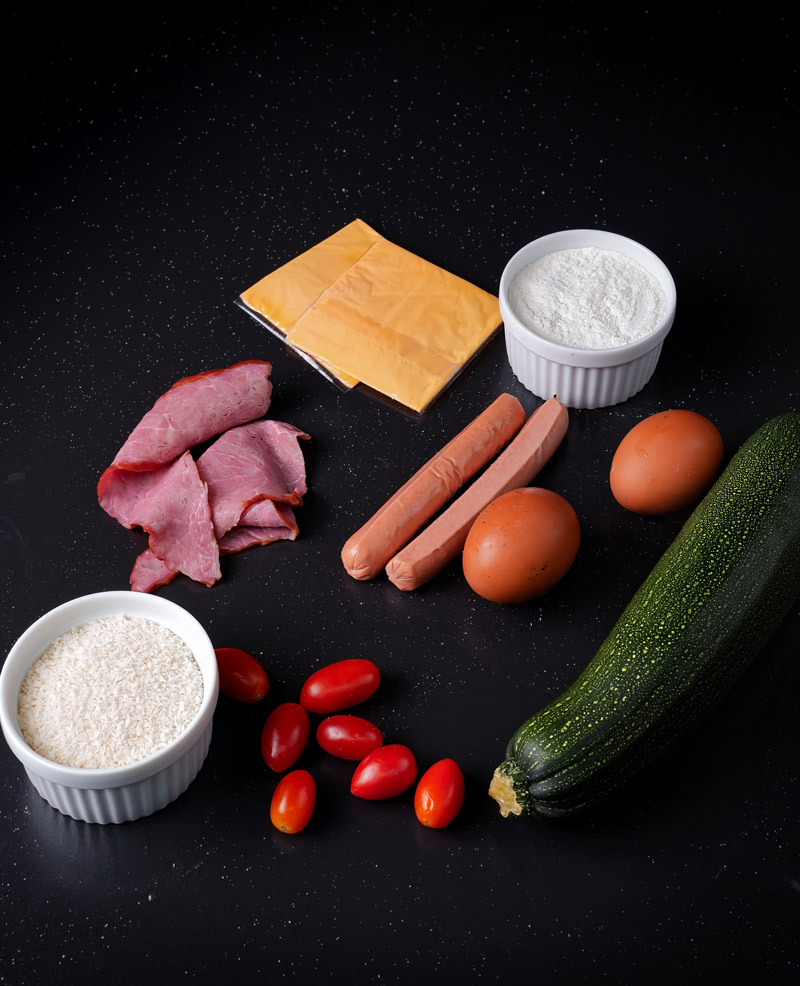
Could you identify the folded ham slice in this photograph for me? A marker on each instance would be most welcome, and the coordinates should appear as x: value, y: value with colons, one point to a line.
x: 150, y: 573
x: 195, y: 409
x: 270, y: 522
x: 257, y: 461
x: 171, y: 504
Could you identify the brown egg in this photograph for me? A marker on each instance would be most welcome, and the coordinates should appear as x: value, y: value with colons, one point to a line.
x: 666, y: 462
x: 520, y: 545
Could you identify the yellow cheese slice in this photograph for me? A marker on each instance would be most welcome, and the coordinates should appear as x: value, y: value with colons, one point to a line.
x: 284, y: 295
x: 368, y: 310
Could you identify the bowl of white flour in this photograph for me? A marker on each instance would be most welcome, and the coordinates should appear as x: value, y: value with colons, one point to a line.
x: 107, y: 701
x: 585, y: 314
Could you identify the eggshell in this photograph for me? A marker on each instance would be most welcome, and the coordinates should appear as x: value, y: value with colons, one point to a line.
x: 666, y: 462
x: 520, y: 545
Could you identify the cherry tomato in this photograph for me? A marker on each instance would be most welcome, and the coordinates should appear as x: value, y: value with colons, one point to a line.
x: 293, y: 801
x: 348, y: 737
x: 240, y: 675
x: 284, y: 736
x: 385, y: 772
x: 340, y: 685
x: 439, y: 794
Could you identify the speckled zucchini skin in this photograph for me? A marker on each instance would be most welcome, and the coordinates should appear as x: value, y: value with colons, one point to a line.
x: 707, y: 608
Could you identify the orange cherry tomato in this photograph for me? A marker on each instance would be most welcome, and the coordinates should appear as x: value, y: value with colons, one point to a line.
x: 284, y: 736
x: 348, y: 737
x: 293, y: 802
x: 439, y: 794
x: 340, y: 685
x: 241, y: 677
x: 384, y: 773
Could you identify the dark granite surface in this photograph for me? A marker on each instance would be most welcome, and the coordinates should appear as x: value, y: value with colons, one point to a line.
x: 148, y: 179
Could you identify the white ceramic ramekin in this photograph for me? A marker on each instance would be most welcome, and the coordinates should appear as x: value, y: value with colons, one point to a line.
x: 583, y: 378
x: 117, y: 794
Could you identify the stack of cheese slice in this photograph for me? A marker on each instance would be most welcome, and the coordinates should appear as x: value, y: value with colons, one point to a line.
x: 368, y: 311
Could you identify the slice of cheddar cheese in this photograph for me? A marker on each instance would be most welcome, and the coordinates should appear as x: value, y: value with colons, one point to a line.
x: 367, y: 310
x: 284, y: 295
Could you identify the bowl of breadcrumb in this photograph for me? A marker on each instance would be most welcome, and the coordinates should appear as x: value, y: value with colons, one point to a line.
x: 108, y: 701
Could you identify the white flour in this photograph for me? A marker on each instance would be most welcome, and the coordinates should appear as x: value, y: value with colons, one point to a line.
x: 587, y: 298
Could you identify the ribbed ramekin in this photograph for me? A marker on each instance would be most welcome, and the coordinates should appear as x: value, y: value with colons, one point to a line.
x: 583, y: 378
x: 116, y: 794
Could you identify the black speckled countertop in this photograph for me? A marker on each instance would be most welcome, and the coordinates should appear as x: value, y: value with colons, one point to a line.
x: 151, y: 177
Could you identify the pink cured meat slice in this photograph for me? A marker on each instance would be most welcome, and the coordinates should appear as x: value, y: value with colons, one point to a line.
x: 276, y: 522
x: 267, y: 513
x: 195, y: 409
x: 262, y: 522
x: 257, y: 461
x: 171, y: 503
x: 150, y: 573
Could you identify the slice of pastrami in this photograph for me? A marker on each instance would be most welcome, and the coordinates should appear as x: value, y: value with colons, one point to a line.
x: 171, y: 504
x: 268, y: 521
x: 195, y: 409
x: 258, y: 461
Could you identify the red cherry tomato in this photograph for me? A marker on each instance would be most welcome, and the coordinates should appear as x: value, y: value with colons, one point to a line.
x: 348, y: 737
x: 386, y: 772
x: 340, y: 685
x: 284, y: 736
x: 293, y: 801
x: 240, y: 675
x: 439, y: 794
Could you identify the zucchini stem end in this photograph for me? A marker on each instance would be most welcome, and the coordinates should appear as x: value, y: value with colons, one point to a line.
x: 509, y: 790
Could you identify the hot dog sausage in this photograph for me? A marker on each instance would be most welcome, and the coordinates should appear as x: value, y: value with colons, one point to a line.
x: 398, y: 520
x: 441, y: 541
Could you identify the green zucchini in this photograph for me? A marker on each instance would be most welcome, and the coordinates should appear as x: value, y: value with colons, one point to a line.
x: 725, y: 583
